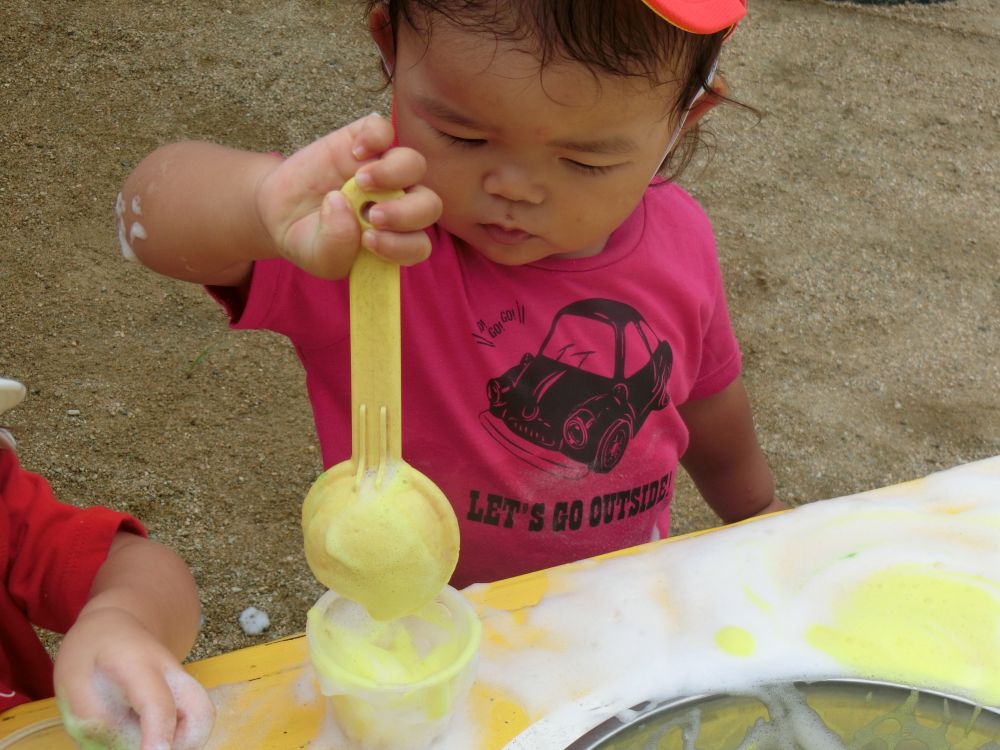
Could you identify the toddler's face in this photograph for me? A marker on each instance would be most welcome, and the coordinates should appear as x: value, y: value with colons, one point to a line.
x: 529, y: 163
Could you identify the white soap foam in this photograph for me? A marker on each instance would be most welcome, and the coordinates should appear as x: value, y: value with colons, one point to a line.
x: 123, y: 242
x: 196, y: 713
x: 254, y: 621
x: 643, y: 627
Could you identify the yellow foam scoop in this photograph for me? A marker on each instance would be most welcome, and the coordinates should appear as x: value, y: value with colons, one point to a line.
x: 377, y: 530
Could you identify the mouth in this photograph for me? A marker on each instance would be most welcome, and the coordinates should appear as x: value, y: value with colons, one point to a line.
x: 504, y: 236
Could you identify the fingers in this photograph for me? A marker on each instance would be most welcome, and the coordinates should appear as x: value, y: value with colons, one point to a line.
x: 93, y: 706
x: 371, y: 136
x: 290, y: 197
x: 325, y: 242
x: 399, y: 169
x: 326, y: 163
x: 96, y: 712
x: 397, y: 232
x: 335, y: 236
x: 314, y: 227
x: 330, y: 161
x: 397, y: 225
x: 195, y: 712
x: 396, y: 169
x: 145, y: 710
x: 117, y: 686
x: 152, y: 701
x: 171, y: 708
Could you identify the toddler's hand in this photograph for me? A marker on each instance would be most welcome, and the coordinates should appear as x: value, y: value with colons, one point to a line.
x: 311, y: 223
x: 118, y: 687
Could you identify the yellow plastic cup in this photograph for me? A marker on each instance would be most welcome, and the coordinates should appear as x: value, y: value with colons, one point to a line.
x: 394, y: 684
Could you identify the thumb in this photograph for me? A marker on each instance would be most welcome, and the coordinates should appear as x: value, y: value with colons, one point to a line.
x: 326, y: 243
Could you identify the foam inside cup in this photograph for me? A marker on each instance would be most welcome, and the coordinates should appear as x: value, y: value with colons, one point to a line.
x: 393, y: 684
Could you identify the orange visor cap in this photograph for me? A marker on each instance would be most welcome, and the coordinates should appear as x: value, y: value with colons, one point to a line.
x: 700, y: 16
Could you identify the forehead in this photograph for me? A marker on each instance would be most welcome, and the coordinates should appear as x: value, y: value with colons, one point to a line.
x: 478, y: 68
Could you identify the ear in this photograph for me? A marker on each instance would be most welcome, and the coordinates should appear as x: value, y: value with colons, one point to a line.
x: 717, y: 91
x: 380, y: 28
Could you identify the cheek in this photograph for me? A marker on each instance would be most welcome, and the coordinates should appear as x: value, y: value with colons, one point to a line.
x: 602, y: 209
x: 446, y: 179
x: 452, y: 176
x: 626, y: 194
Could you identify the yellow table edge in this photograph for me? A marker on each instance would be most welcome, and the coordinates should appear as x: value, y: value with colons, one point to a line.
x: 289, y: 652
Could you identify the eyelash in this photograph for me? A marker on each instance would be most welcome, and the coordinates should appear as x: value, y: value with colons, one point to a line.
x: 590, y: 169
x: 464, y: 142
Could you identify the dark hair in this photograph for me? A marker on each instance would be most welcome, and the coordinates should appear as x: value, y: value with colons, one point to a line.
x: 616, y: 37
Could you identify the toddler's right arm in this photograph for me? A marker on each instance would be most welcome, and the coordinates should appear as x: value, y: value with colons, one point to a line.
x: 117, y: 673
x: 204, y: 212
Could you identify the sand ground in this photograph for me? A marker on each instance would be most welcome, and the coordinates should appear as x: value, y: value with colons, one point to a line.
x: 857, y: 222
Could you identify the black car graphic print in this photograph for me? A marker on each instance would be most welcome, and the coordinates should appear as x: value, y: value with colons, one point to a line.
x: 576, y: 404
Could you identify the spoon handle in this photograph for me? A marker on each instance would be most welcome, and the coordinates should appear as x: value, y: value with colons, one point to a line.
x: 375, y: 355
x: 376, y: 436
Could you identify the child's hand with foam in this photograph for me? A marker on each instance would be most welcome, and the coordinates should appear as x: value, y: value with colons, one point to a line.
x: 312, y: 225
x: 118, y: 680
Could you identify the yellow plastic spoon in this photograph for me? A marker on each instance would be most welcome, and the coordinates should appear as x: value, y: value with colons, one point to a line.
x: 376, y: 530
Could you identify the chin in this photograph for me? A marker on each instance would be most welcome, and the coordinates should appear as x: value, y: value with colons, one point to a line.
x: 504, y: 255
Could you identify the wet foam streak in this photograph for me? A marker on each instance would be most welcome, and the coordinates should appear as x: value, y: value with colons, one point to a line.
x: 852, y: 587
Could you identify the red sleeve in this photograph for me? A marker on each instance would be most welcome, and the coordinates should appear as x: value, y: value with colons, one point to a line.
x: 55, y: 549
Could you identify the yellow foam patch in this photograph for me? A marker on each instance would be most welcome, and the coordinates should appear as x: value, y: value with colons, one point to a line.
x: 922, y: 625
x: 735, y: 640
x: 757, y: 600
x: 499, y: 717
x: 514, y: 593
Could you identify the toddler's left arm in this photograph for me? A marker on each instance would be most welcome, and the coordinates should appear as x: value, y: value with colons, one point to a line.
x: 724, y: 458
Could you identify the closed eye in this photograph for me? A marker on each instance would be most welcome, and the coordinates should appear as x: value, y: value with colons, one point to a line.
x: 592, y: 169
x: 456, y: 141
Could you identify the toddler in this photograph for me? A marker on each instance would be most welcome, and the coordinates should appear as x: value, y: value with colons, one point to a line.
x: 566, y: 341
x: 127, y: 605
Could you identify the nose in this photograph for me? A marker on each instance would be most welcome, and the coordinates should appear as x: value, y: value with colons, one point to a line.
x: 513, y: 183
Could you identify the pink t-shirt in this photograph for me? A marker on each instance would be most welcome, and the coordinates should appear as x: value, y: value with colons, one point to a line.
x: 542, y: 399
